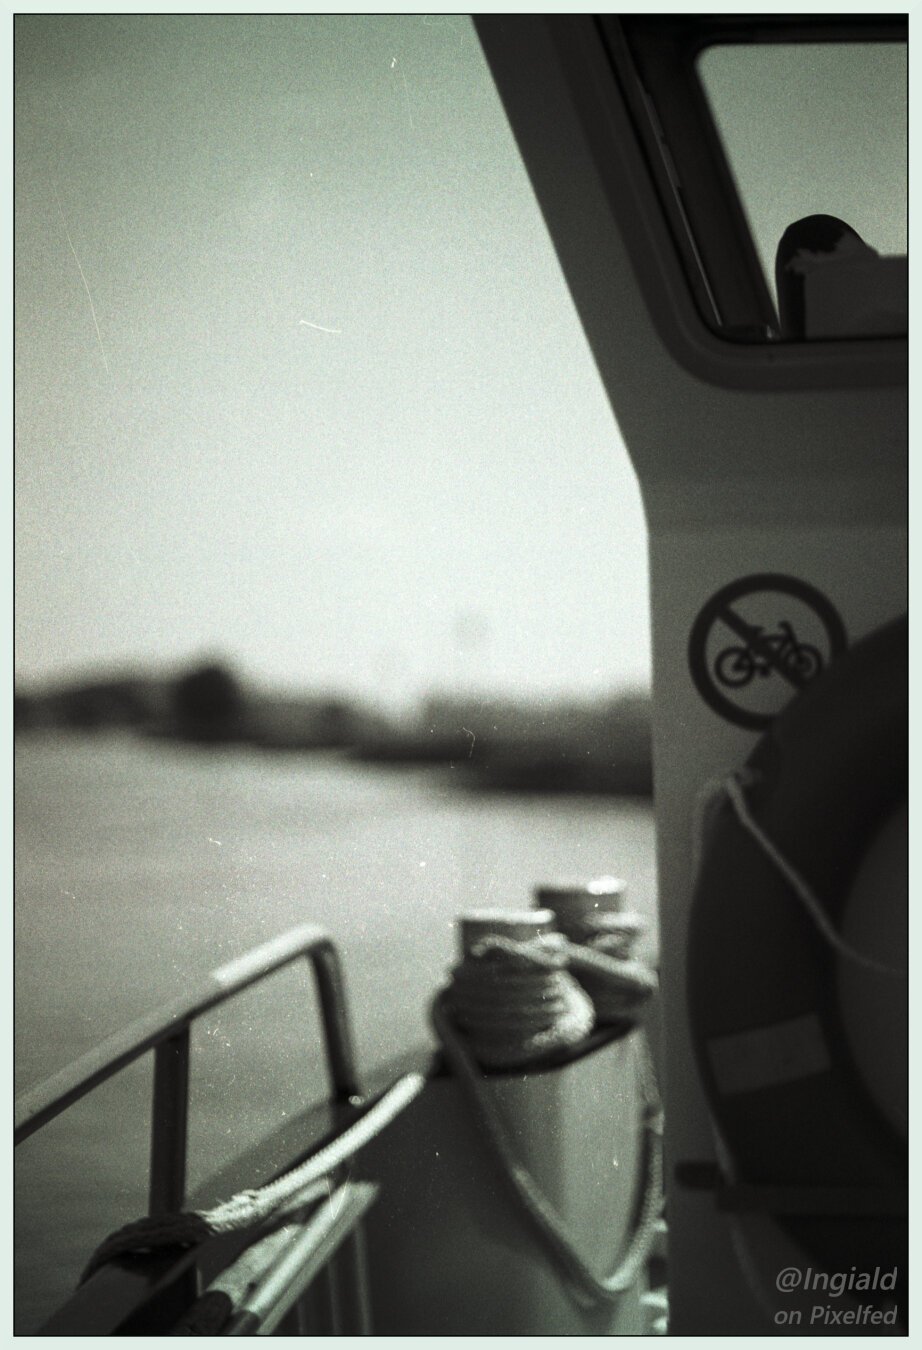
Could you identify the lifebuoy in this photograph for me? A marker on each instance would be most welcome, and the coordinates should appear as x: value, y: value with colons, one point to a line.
x: 788, y: 1101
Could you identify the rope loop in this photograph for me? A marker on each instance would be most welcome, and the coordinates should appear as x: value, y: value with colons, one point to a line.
x: 548, y: 951
x: 584, y: 1285
x: 187, y: 1229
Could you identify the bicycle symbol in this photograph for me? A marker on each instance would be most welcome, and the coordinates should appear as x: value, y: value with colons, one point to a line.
x: 735, y: 667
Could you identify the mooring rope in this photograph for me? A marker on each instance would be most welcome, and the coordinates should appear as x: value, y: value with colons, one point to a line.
x: 516, y: 1000
x: 510, y: 1003
x: 619, y: 985
x: 254, y: 1206
x: 519, y: 1000
x: 470, y: 1038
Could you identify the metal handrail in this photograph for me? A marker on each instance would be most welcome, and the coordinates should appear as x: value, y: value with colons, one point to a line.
x: 166, y: 1032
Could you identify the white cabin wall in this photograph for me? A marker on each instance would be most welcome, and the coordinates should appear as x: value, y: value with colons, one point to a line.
x: 805, y: 481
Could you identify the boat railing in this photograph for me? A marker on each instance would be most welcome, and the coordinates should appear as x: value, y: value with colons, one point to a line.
x: 166, y: 1032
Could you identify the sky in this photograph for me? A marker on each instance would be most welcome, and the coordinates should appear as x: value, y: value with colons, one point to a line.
x: 299, y: 381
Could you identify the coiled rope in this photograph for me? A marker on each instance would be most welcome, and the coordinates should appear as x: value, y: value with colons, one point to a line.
x: 516, y: 1001
x: 502, y: 1034
x: 255, y: 1206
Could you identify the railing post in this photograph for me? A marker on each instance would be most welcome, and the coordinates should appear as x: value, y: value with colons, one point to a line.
x: 170, y: 1124
x: 332, y: 995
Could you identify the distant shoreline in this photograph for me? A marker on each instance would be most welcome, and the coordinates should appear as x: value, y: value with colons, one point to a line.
x: 498, y: 744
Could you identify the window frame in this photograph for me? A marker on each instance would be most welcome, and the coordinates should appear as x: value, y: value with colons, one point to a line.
x: 653, y: 60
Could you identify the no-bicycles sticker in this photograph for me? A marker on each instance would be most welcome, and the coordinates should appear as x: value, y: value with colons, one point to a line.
x: 757, y: 642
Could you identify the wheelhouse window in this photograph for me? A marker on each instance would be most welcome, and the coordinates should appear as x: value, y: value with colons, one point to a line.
x: 779, y: 148
x: 815, y: 138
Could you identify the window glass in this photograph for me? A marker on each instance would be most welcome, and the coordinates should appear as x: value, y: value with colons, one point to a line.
x: 815, y: 130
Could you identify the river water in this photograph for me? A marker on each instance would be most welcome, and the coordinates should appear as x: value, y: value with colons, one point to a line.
x: 140, y: 867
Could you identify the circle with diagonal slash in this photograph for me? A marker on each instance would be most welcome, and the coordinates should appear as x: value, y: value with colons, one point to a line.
x: 757, y: 642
